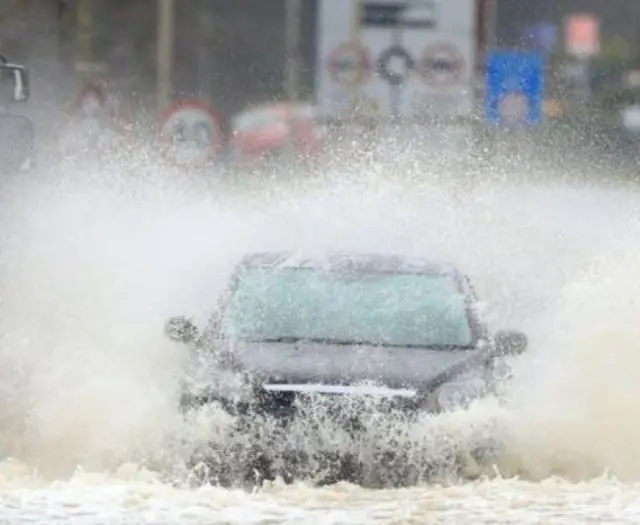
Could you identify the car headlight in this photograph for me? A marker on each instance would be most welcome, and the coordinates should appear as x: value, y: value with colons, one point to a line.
x: 457, y: 393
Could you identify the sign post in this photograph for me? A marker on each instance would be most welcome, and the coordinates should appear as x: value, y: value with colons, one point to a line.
x: 293, y: 11
x: 84, y: 37
x: 514, y: 88
x: 582, y: 41
x: 355, y: 36
x: 165, y: 43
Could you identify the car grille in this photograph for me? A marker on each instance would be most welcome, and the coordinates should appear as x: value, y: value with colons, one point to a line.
x: 335, y: 406
x: 276, y: 403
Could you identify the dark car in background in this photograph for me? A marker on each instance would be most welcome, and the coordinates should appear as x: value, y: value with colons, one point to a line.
x: 16, y: 131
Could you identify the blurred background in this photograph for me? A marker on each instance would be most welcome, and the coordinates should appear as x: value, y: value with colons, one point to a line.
x: 573, y: 71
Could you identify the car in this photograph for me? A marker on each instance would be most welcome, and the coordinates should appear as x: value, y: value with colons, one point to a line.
x: 268, y: 130
x: 364, y: 330
x: 16, y: 131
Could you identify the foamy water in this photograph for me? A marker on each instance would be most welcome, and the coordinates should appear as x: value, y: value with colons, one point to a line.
x: 93, y: 264
x: 128, y: 498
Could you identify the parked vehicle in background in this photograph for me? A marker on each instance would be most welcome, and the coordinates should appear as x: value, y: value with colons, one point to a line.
x: 16, y: 131
x: 272, y: 130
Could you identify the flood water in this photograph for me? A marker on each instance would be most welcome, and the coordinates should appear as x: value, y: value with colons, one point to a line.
x: 93, y: 263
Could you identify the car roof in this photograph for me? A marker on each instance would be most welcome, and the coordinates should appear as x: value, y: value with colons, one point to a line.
x: 355, y: 262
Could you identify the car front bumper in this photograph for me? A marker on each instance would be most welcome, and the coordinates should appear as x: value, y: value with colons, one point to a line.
x: 333, y: 439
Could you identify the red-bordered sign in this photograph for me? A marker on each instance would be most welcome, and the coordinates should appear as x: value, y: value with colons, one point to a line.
x: 91, y: 91
x: 350, y: 64
x: 582, y: 34
x: 442, y: 65
x: 189, y: 134
x: 92, y: 100
x: 91, y: 105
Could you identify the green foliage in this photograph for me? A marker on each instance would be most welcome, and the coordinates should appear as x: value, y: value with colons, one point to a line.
x: 616, y: 49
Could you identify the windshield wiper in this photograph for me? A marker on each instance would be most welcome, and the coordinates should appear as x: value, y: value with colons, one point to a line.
x: 293, y: 339
x: 282, y: 339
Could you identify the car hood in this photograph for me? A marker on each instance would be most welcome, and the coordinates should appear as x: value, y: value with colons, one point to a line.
x: 325, y: 368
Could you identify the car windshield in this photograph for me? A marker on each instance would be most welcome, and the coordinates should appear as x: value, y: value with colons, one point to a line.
x: 421, y: 310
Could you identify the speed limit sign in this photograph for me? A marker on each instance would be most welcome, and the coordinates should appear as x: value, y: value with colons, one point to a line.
x: 189, y: 134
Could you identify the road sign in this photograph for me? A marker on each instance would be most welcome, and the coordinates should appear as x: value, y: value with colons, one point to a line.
x: 94, y: 124
x: 92, y: 68
x: 420, y: 14
x: 514, y: 88
x: 93, y: 114
x: 189, y: 134
x: 90, y: 101
x: 395, y: 65
x: 349, y: 64
x: 397, y: 80
x: 582, y: 35
x: 442, y: 65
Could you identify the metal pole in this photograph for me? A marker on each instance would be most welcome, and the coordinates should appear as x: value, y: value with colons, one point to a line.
x: 356, y: 13
x: 397, y: 84
x: 584, y: 85
x: 293, y: 15
x: 205, y: 45
x: 84, y: 39
x: 492, y: 24
x: 292, y: 42
x: 356, y: 38
x: 166, y: 22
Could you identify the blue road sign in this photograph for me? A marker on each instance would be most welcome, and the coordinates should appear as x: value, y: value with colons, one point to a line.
x: 514, y: 88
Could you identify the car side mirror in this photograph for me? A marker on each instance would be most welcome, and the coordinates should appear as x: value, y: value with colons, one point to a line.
x: 18, y: 77
x: 510, y: 342
x: 181, y: 330
x: 507, y: 343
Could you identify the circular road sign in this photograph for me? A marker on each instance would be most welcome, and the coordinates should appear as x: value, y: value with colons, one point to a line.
x: 395, y: 65
x: 349, y: 64
x: 189, y: 134
x: 442, y: 65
